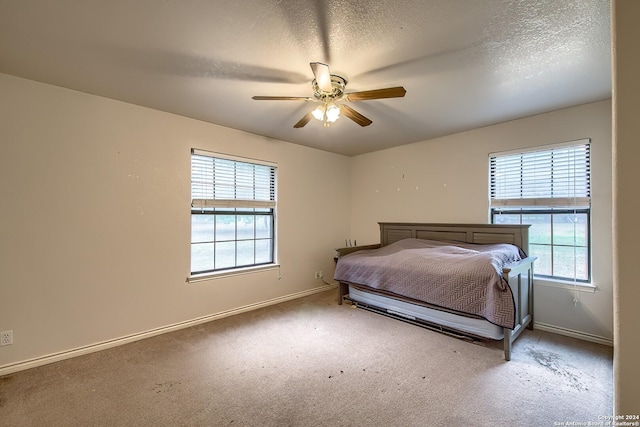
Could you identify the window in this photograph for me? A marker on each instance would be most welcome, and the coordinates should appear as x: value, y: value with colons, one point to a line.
x: 548, y: 188
x: 233, y: 203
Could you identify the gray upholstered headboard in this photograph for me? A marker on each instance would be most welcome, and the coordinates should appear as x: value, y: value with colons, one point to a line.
x: 471, y: 233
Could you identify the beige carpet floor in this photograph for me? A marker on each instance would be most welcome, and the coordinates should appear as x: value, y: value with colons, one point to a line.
x: 311, y: 362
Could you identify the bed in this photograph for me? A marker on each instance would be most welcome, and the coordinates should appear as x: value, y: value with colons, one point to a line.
x: 482, y: 286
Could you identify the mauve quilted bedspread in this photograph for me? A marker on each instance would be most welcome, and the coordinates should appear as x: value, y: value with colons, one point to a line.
x: 458, y: 276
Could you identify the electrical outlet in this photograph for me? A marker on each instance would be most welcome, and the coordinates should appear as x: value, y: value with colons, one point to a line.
x: 6, y: 337
x: 318, y: 275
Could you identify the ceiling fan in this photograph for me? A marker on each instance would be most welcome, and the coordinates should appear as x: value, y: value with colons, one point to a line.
x: 329, y: 90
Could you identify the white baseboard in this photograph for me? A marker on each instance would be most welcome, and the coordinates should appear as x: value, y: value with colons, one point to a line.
x: 56, y: 357
x: 573, y: 333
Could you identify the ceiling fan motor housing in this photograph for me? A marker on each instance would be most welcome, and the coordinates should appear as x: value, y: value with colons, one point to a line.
x: 337, y: 89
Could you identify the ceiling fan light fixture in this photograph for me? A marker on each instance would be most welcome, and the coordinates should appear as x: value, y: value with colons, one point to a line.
x: 332, y: 112
x: 328, y: 112
x: 318, y: 113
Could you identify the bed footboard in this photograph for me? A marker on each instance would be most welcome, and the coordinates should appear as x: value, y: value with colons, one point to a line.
x: 520, y: 278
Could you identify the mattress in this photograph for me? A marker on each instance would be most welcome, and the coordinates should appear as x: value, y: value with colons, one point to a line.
x: 466, y: 324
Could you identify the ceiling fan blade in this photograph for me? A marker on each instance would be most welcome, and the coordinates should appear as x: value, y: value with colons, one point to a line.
x: 390, y: 92
x: 322, y: 75
x: 303, y: 121
x: 355, y: 116
x: 282, y: 98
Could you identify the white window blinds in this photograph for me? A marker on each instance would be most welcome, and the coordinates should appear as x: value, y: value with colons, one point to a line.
x: 556, y: 176
x: 222, y: 182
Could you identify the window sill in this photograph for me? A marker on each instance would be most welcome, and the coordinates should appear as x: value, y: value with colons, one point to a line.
x: 226, y: 273
x: 581, y: 287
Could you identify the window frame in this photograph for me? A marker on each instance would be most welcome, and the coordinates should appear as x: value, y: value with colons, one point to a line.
x: 233, y: 192
x: 516, y: 199
x: 553, y: 211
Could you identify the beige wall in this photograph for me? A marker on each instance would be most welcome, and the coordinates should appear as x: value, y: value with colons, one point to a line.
x: 626, y: 107
x: 446, y: 179
x: 95, y: 223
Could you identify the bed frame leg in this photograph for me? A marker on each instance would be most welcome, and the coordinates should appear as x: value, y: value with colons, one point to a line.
x: 507, y: 344
x: 343, y: 289
x: 530, y: 293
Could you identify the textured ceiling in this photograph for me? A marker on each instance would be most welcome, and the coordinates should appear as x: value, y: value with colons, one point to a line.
x: 464, y: 63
